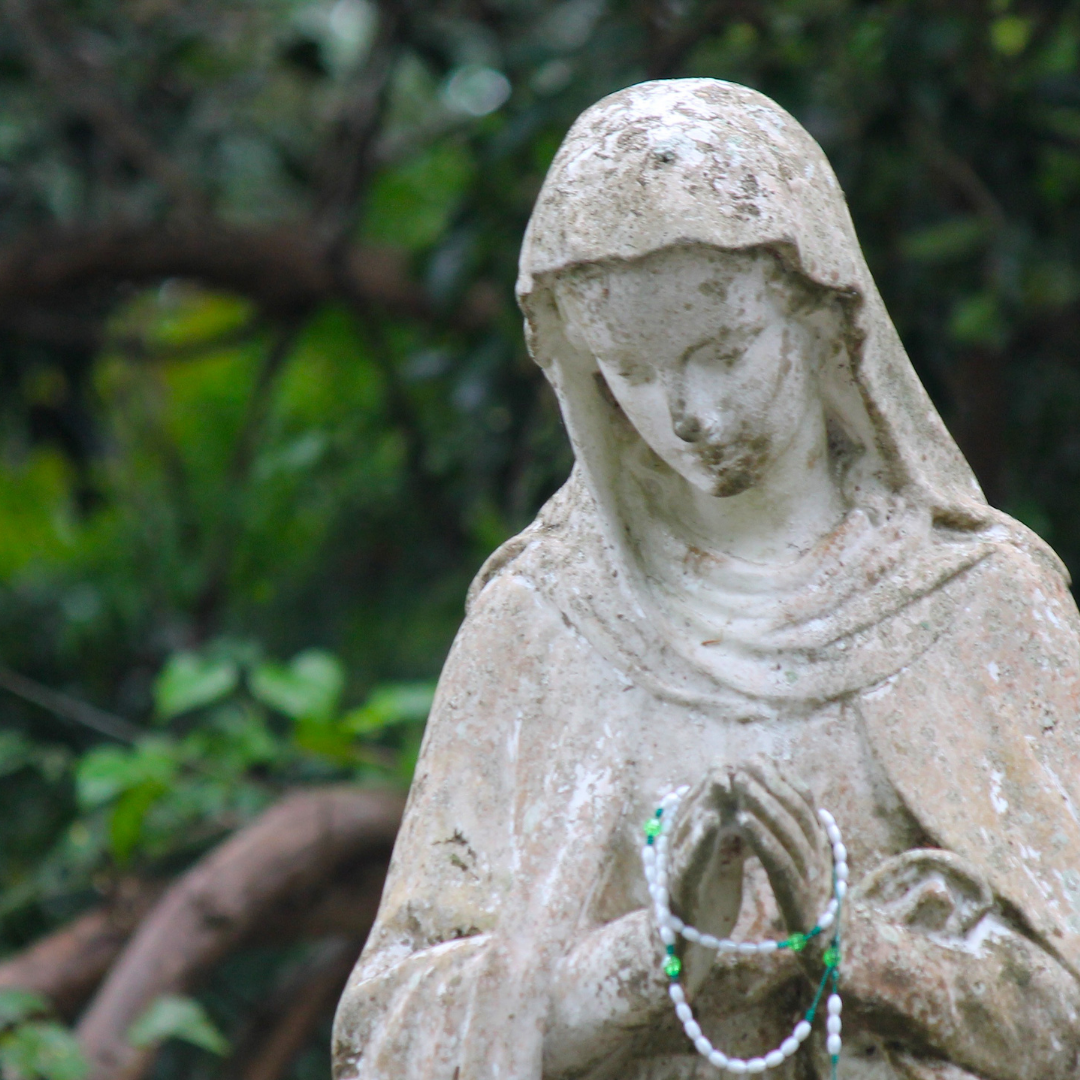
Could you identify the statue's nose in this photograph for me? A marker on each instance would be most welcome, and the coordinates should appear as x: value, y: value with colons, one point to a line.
x: 688, y: 428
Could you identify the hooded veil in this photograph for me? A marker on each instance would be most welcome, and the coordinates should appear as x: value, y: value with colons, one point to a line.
x: 867, y: 614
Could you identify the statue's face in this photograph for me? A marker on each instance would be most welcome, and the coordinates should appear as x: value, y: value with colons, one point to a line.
x: 709, y: 354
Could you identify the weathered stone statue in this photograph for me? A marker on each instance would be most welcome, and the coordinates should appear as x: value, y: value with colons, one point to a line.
x: 773, y: 578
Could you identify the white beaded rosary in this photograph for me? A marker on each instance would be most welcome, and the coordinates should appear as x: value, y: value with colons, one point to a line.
x: 654, y: 855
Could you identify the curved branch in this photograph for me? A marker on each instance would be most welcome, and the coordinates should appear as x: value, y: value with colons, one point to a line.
x: 67, y: 965
x: 291, y: 848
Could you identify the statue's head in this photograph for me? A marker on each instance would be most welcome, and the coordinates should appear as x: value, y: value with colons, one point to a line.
x: 691, y: 260
x: 712, y: 355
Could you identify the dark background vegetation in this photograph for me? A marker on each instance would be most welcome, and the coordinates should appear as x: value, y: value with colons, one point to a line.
x: 265, y: 407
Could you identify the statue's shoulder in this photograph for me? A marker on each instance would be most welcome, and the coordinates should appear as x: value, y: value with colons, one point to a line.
x: 540, y: 545
x: 1024, y: 581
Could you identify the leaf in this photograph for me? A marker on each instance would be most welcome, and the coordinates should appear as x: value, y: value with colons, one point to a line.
x: 393, y: 703
x: 174, y: 1017
x: 946, y: 241
x: 189, y: 681
x: 17, y: 1005
x: 308, y: 688
x: 102, y: 774
x: 126, y: 822
x: 41, y: 1049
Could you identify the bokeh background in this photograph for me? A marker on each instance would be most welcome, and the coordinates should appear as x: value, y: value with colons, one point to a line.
x: 265, y: 408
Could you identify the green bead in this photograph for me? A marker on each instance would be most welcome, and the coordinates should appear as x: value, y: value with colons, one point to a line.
x: 652, y: 827
x: 672, y: 967
x: 831, y: 957
x: 797, y: 942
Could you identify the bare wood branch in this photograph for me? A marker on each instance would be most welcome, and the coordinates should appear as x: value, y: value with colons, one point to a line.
x: 283, y: 270
x: 296, y: 844
x: 67, y: 707
x: 67, y: 965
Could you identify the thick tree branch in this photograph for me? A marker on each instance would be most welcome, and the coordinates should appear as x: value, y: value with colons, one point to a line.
x: 295, y: 845
x: 67, y: 965
x: 283, y: 270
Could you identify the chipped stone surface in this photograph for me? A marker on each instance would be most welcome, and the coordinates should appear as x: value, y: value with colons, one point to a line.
x: 771, y: 566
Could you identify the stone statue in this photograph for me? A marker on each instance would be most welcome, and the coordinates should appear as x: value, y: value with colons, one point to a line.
x: 771, y: 577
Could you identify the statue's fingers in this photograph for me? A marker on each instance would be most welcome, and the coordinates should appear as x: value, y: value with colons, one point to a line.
x: 753, y: 795
x: 783, y: 875
x: 793, y: 795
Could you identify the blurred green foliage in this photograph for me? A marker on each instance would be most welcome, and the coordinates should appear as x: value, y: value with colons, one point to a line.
x: 194, y: 482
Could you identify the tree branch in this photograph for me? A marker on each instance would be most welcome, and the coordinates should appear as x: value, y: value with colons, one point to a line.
x: 67, y: 965
x: 294, y: 846
x: 283, y: 270
x: 68, y: 708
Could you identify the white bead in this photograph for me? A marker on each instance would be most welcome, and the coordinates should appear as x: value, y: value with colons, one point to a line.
x: 709, y: 941
x: 826, y: 818
x: 774, y: 1058
x: 727, y: 945
x: 789, y: 1046
x: 718, y: 1058
x: 835, y: 1006
x: 662, y: 878
x: 682, y: 1011
x: 748, y: 947
x: 839, y: 853
x: 768, y: 946
x: 692, y: 1029
x: 802, y: 1030
x: 826, y: 920
x: 736, y: 1066
x: 755, y: 1065
x: 832, y: 1044
x: 675, y: 923
x: 841, y: 871
x: 676, y: 993
x: 648, y: 856
x: 841, y: 889
x: 703, y: 1046
x: 833, y: 833
x: 681, y: 791
x: 667, y: 935
x: 691, y: 934
x: 833, y: 1025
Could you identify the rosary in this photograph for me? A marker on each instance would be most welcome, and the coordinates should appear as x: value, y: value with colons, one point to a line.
x: 654, y: 855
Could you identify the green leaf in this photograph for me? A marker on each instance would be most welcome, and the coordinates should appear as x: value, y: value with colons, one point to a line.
x: 103, y: 774
x: 977, y: 320
x: 945, y: 242
x: 41, y: 1049
x: 174, y: 1017
x: 189, y: 681
x: 1010, y: 34
x: 126, y: 822
x: 17, y: 1005
x: 309, y: 687
x: 393, y: 703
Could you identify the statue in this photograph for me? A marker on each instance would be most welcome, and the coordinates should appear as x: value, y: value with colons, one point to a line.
x: 772, y: 579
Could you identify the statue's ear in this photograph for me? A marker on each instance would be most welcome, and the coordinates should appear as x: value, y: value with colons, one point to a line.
x: 928, y: 889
